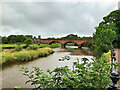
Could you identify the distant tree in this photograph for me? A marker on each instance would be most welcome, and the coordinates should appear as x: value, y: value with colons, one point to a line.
x: 4, y: 40
x: 34, y: 37
x: 12, y: 39
x: 29, y: 36
x: 20, y: 38
x: 51, y: 38
x: 39, y: 37
x: 16, y: 38
x: 70, y: 36
x: 28, y: 42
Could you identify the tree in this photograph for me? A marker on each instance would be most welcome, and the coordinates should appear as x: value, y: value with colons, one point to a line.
x: 20, y: 38
x: 113, y: 18
x: 103, y: 38
x: 107, y: 33
x: 34, y: 37
x: 16, y: 38
x: 71, y: 36
x: 12, y: 39
x: 28, y: 42
x: 39, y: 37
x: 4, y: 40
x: 29, y: 36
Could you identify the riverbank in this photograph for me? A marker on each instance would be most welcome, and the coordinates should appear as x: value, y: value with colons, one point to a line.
x: 12, y: 46
x: 11, y: 76
x: 9, y: 55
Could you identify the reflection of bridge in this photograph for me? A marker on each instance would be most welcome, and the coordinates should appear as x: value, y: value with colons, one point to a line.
x: 63, y: 42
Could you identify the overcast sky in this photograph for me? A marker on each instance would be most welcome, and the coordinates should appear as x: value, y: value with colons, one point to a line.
x: 53, y: 19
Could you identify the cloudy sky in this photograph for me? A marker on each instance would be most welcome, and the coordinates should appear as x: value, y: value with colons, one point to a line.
x: 53, y: 19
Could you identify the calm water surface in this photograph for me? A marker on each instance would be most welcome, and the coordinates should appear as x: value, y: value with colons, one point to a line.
x: 11, y: 76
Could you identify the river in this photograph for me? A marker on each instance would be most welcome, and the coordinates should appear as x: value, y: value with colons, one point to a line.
x: 11, y: 76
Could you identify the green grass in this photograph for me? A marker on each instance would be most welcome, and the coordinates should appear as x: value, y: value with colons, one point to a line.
x: 9, y: 55
x: 54, y: 45
x: 10, y: 45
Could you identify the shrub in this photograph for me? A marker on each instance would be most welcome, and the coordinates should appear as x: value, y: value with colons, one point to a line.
x: 86, y: 74
x: 32, y: 47
x: 18, y: 43
x: 22, y: 57
x: 28, y: 41
x: 54, y: 45
x: 18, y: 48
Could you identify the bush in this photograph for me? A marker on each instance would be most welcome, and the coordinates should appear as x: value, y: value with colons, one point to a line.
x: 23, y: 57
x: 86, y: 74
x: 18, y: 48
x: 28, y: 41
x: 18, y: 43
x: 54, y: 45
x: 32, y: 47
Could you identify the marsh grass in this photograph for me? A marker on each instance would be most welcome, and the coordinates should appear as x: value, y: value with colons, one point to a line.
x: 9, y: 46
x: 24, y: 55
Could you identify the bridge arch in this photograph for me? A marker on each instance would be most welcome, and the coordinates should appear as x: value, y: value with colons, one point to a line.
x: 87, y: 44
x: 70, y: 42
x: 54, y: 42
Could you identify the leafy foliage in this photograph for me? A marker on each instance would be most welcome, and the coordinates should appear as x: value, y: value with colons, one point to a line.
x: 18, y: 48
x: 28, y: 42
x: 103, y: 40
x: 32, y: 47
x: 86, y: 75
x: 107, y: 33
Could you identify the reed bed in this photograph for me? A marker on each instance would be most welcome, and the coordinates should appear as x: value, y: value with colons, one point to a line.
x: 11, y: 55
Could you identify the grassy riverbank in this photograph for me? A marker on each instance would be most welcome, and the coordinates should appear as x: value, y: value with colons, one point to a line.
x: 11, y: 55
x: 54, y: 45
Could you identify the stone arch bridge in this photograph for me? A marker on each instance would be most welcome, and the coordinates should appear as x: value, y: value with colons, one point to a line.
x: 63, y: 42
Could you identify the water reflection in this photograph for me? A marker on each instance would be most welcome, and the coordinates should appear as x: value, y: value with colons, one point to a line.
x: 71, y: 46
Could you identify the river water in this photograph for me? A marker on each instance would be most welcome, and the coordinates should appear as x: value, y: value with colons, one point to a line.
x: 11, y: 76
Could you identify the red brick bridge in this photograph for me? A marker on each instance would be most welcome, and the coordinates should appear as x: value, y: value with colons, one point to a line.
x: 63, y: 42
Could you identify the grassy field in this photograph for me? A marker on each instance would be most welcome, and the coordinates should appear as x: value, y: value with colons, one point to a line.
x: 10, y: 45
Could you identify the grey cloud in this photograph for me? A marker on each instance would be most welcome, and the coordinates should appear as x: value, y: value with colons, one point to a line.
x: 53, y: 19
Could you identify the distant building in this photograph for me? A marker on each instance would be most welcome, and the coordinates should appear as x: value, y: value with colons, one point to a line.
x: 119, y: 5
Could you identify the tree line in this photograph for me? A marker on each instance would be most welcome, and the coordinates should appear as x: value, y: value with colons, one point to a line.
x: 72, y: 36
x: 12, y: 39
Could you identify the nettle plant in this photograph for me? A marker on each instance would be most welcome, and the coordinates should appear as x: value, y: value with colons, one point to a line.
x: 95, y: 74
